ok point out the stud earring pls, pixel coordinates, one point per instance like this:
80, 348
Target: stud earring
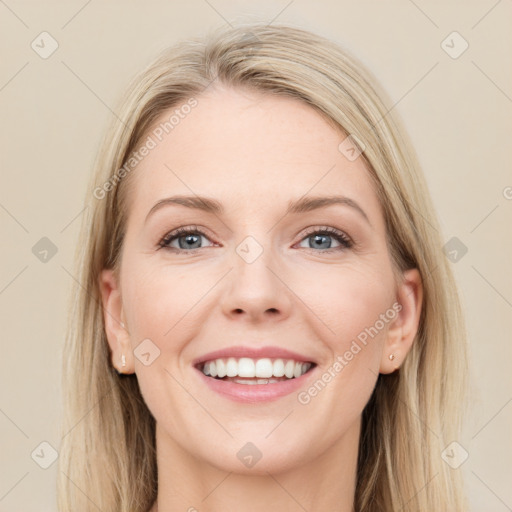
391, 357
123, 360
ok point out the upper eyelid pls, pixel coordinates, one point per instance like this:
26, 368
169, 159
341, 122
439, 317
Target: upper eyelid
194, 228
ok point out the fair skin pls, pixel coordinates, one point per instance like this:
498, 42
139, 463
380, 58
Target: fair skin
255, 153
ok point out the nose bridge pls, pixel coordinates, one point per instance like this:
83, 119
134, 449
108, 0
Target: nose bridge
255, 287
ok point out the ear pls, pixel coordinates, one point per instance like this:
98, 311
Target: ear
115, 329
403, 328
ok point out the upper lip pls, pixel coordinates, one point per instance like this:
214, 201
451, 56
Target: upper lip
253, 353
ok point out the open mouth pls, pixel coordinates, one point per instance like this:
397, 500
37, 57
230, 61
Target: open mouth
249, 371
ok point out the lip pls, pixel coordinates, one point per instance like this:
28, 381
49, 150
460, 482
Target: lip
253, 353
253, 393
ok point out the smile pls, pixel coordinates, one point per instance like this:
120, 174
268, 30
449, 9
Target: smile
251, 381
250, 371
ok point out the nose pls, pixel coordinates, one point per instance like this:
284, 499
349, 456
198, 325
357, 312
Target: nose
257, 290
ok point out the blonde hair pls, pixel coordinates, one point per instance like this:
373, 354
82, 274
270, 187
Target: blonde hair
108, 455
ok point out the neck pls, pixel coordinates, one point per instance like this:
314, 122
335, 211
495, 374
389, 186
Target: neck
192, 485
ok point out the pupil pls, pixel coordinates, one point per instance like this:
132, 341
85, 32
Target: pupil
318, 238
189, 240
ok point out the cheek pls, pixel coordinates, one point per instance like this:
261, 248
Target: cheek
153, 297
164, 305
352, 304
156, 310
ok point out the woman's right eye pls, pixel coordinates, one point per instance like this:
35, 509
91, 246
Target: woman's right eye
186, 238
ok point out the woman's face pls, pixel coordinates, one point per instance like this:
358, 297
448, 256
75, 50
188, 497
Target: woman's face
271, 268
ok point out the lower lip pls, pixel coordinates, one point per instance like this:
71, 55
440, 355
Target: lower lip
255, 392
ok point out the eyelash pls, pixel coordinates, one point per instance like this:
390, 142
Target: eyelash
344, 241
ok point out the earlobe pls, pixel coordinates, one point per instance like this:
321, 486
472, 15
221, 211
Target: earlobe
115, 329
402, 331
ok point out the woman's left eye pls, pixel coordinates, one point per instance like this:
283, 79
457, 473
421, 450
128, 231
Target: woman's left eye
187, 240
322, 239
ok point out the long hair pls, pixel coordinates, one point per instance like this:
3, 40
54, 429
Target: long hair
108, 453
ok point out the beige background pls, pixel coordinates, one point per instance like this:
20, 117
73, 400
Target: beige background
54, 110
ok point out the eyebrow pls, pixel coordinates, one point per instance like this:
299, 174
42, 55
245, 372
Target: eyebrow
302, 205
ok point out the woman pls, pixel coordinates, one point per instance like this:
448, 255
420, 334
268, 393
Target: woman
265, 319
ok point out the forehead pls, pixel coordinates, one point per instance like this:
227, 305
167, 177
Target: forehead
243, 147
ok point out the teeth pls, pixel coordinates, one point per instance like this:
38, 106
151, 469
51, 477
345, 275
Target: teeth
246, 367
221, 368
278, 370
231, 368
288, 369
261, 370
255, 381
264, 368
